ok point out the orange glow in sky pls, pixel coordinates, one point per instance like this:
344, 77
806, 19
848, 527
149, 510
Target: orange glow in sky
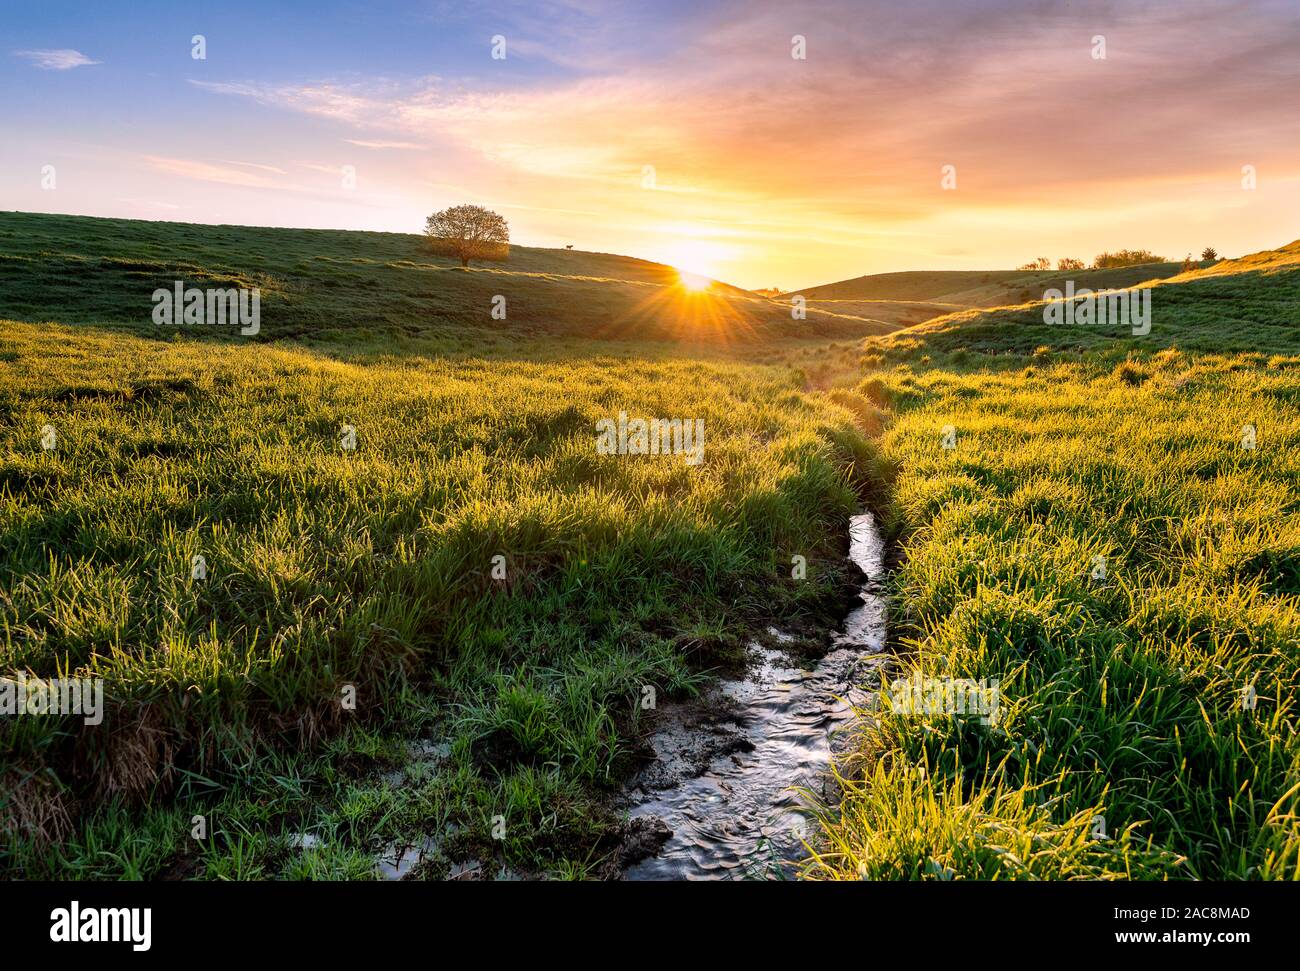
707, 145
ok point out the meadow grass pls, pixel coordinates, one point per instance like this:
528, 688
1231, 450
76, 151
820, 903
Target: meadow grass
372, 568
480, 700
1156, 694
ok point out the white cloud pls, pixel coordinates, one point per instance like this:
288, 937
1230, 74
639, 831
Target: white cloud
364, 143
255, 165
209, 172
318, 167
61, 60
327, 100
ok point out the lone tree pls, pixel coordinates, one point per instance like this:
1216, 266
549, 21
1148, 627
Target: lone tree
468, 233
1209, 253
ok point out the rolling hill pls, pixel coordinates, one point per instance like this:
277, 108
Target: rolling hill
910, 297
77, 269
1247, 304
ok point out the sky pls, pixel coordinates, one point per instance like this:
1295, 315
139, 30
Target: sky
930, 134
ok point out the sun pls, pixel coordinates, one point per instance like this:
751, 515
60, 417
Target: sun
692, 281
697, 261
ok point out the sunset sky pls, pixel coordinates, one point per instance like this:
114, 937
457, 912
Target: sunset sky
768, 171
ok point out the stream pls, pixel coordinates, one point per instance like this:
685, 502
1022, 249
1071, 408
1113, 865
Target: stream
730, 765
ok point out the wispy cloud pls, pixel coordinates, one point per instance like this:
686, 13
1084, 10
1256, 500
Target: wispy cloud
149, 203
996, 91
322, 168
266, 177
367, 143
209, 172
256, 165
63, 59
325, 99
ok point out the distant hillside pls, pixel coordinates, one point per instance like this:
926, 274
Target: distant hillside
900, 313
1283, 259
1246, 304
607, 266
336, 284
983, 288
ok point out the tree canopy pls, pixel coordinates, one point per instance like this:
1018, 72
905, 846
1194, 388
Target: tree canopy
469, 233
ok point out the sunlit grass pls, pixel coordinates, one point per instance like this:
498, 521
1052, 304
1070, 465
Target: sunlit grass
373, 568
1122, 696
1125, 697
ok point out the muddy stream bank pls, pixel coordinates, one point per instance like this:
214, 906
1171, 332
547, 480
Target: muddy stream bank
729, 765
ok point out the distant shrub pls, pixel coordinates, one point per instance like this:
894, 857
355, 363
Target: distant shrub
1126, 257
1069, 263
1210, 254
1042, 263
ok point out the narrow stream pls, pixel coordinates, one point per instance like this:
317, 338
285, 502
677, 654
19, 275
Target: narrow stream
728, 764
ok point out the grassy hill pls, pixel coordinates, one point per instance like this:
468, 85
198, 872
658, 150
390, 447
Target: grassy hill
1235, 305
339, 286
371, 570
981, 288
1109, 525
899, 313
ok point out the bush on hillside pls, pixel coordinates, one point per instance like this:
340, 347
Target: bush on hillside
1125, 257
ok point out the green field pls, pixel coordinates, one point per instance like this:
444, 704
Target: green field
982, 288
370, 568
351, 287
1159, 696
914, 296
370, 571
